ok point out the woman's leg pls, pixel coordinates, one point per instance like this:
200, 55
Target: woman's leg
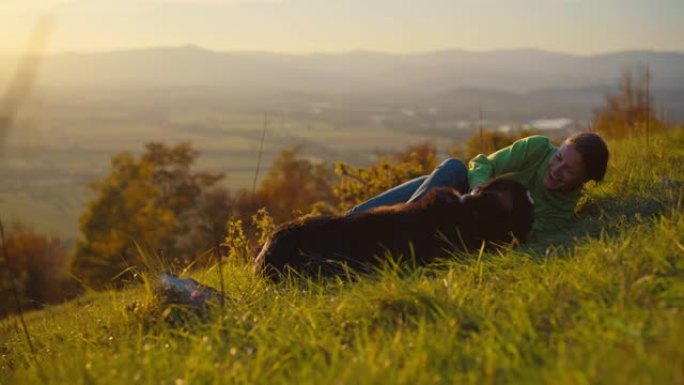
399, 194
450, 173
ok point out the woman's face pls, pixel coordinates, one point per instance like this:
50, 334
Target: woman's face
566, 170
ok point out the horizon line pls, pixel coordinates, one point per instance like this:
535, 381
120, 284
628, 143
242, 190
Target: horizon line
340, 52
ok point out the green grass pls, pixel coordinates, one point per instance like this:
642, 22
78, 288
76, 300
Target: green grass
600, 303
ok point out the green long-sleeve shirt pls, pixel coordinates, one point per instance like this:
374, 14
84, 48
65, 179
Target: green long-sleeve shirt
527, 161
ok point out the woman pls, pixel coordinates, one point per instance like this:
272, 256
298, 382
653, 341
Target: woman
553, 175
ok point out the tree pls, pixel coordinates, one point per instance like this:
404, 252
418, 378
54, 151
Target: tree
206, 226
140, 201
630, 110
293, 184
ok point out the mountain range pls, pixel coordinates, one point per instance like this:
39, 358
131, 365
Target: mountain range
507, 70
473, 78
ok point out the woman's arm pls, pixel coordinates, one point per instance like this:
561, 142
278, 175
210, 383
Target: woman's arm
522, 154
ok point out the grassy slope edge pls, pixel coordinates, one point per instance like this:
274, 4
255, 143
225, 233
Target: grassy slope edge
603, 304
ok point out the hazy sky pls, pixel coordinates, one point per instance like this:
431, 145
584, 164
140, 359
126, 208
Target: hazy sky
575, 26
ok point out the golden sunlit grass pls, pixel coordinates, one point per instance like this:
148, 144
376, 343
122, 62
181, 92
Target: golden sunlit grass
606, 308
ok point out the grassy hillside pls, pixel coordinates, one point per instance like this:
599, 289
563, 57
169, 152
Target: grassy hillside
602, 302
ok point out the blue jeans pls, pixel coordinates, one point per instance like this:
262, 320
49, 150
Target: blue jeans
451, 173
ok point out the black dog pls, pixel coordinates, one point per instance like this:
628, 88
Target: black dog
442, 221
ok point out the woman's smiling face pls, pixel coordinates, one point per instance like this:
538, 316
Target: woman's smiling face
566, 170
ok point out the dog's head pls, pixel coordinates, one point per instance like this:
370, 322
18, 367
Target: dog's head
501, 209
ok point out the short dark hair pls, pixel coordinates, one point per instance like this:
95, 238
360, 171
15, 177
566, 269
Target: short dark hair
594, 152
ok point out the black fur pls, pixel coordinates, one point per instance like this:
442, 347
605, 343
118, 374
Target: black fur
427, 229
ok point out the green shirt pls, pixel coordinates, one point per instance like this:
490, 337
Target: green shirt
527, 161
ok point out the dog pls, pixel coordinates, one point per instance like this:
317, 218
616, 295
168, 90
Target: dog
432, 227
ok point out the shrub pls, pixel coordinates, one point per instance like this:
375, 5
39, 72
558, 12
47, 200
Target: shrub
40, 267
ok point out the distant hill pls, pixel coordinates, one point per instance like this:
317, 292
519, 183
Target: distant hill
357, 71
511, 85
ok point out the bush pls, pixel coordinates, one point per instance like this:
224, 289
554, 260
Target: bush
359, 184
40, 268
